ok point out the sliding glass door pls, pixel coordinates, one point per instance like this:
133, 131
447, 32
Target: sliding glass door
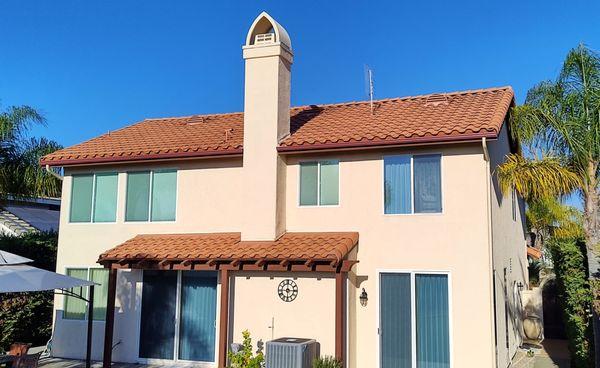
414, 329
178, 316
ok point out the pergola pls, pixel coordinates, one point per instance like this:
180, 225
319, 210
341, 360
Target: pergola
226, 253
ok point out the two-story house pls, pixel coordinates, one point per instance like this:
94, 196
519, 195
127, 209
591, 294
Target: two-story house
377, 229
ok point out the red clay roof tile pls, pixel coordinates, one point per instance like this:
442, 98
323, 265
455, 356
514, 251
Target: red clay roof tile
322, 246
421, 119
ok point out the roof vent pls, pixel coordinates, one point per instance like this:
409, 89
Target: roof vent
437, 99
263, 38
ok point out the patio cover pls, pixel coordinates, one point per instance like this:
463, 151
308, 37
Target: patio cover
302, 251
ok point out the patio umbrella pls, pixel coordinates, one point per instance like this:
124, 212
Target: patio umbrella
22, 277
16, 276
7, 258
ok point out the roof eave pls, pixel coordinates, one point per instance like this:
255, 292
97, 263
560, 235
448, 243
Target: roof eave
131, 159
415, 141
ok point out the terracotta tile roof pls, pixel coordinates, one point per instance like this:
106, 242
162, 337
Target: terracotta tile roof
322, 246
445, 117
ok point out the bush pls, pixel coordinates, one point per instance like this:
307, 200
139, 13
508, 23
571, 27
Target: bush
27, 317
327, 362
244, 358
575, 297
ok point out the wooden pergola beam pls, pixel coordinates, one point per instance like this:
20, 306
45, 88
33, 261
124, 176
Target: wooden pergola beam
223, 318
110, 318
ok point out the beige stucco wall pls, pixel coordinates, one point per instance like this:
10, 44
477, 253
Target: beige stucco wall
207, 201
453, 241
257, 307
509, 253
209, 197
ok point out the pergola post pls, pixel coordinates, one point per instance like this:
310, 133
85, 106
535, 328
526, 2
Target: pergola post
223, 318
88, 350
110, 318
340, 317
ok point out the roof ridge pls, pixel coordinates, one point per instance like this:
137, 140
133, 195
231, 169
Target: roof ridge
335, 104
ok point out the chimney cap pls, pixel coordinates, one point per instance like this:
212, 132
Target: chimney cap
264, 24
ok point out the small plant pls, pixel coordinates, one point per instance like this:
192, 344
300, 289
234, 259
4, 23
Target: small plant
244, 358
530, 353
327, 362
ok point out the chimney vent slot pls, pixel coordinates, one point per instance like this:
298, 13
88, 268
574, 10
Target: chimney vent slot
264, 38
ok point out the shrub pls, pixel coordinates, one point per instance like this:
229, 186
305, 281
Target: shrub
27, 317
327, 362
575, 298
244, 358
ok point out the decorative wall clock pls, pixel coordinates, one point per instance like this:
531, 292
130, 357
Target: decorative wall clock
287, 290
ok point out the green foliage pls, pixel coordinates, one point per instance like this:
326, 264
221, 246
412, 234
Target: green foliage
27, 317
245, 358
576, 298
327, 362
20, 172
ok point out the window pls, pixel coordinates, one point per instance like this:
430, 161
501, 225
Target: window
414, 320
94, 198
151, 196
76, 308
412, 184
319, 183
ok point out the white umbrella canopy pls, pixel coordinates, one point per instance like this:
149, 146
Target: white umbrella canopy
7, 258
18, 278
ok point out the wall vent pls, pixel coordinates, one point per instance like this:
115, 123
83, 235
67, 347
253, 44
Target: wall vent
264, 38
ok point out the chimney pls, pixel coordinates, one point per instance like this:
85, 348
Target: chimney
268, 60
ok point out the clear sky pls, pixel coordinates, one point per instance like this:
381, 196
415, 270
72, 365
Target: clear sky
95, 66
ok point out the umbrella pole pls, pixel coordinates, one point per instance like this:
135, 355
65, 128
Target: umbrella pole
88, 356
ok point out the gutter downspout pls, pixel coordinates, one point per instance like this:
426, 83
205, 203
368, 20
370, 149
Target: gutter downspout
492, 288
53, 173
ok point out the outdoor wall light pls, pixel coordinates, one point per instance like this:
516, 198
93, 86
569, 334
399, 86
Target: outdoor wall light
364, 298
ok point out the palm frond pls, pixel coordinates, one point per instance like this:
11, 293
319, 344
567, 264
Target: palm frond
535, 179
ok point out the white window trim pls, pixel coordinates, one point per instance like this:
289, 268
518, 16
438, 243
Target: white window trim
412, 184
149, 220
84, 294
94, 174
299, 186
413, 273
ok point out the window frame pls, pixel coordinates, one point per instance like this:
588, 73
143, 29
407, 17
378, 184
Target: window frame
94, 174
514, 204
151, 186
412, 185
84, 294
299, 191
413, 306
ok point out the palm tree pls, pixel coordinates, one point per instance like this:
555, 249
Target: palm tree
559, 125
20, 172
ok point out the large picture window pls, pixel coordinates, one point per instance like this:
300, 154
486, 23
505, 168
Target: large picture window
94, 198
319, 183
76, 308
151, 196
412, 184
414, 320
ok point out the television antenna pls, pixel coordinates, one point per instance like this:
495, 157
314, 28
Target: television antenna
369, 87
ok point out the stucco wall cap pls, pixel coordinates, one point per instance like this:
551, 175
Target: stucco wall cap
259, 26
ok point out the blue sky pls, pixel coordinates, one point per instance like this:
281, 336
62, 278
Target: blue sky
95, 66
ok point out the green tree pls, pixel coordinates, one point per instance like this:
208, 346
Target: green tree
559, 127
20, 172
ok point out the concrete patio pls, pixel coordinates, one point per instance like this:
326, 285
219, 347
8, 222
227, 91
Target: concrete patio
50, 362
551, 354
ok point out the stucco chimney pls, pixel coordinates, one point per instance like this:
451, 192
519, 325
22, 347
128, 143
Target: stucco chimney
268, 58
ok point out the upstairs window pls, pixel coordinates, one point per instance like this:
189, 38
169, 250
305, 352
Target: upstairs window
151, 196
412, 184
319, 183
94, 198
